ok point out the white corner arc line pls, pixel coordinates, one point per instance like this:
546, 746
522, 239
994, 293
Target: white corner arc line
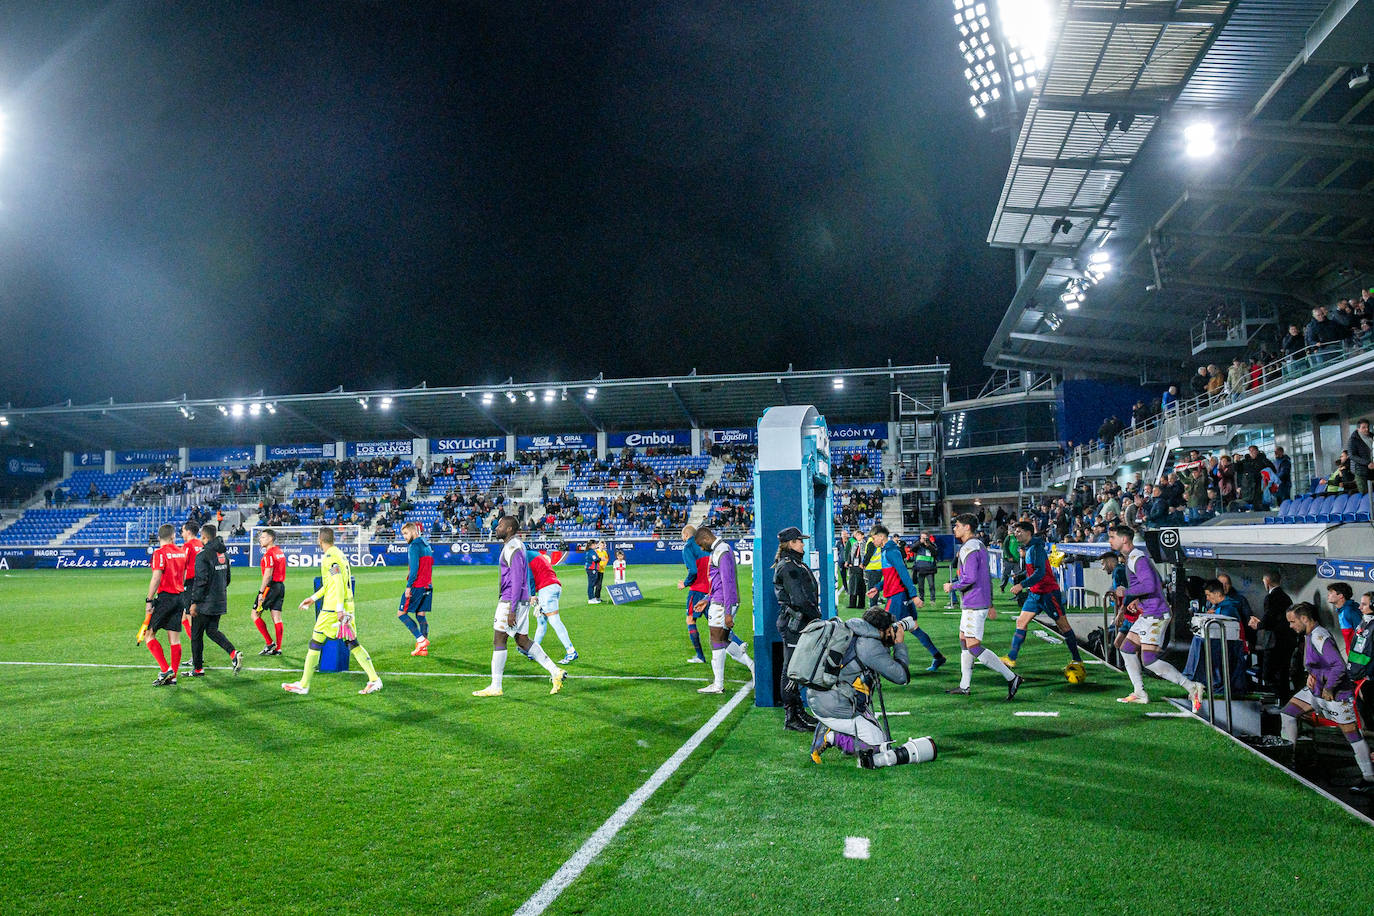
569, 871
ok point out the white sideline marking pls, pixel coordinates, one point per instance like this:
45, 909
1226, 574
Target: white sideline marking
1038, 713
904, 712
856, 847
571, 674
1168, 715
571, 869
1048, 638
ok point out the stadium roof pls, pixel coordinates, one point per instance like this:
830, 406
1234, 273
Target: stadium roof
706, 401
1278, 216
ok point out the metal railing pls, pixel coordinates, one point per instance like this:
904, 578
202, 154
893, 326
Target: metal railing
1218, 623
1181, 416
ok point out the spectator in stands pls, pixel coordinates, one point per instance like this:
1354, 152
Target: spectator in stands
1344, 316
1139, 414
47, 497
1226, 481
1157, 513
1283, 467
1274, 639
1342, 478
1361, 449
1237, 378
1198, 383
1194, 492
1168, 402
1321, 331
1292, 344
1250, 477
1215, 382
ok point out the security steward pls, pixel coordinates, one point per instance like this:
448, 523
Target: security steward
798, 596
210, 600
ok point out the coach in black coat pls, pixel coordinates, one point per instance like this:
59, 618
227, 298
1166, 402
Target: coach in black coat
1276, 639
210, 600
798, 594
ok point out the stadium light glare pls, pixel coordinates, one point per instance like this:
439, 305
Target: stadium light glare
1099, 257
591, 394
386, 403
222, 409
236, 411
549, 395
271, 408
255, 409
1199, 140
837, 383
510, 396
4, 421
362, 402
529, 396
486, 397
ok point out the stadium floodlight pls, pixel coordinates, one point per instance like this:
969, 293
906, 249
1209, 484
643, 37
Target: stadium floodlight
4, 421
271, 408
1099, 257
1004, 44
837, 383
386, 403
255, 408
486, 397
1199, 140
222, 409
510, 396
549, 395
591, 394
236, 411
529, 396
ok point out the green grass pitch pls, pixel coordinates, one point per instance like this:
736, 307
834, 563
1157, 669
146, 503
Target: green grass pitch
228, 795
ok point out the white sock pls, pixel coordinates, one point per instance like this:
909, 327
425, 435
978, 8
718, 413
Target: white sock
965, 669
737, 652
498, 667
556, 621
718, 667
1361, 749
1290, 729
1134, 672
1160, 668
989, 658
541, 658
539, 629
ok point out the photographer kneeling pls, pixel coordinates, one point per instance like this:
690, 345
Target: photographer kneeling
877, 649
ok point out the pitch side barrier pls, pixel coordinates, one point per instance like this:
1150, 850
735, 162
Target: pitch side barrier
458, 553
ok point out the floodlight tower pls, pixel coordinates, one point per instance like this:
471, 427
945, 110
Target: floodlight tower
1004, 43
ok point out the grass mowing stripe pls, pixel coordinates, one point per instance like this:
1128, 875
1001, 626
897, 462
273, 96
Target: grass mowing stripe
571, 676
568, 872
1273, 763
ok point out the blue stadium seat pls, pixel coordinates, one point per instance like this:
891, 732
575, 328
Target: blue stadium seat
1358, 509
1279, 517
1299, 510
1315, 509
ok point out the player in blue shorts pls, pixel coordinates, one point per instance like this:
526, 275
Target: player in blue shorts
1042, 597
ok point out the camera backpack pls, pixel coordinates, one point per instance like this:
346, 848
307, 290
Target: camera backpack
823, 649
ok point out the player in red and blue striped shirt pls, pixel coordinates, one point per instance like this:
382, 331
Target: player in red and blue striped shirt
419, 588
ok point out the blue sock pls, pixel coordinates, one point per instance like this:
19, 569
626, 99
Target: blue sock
1017, 639
924, 640
410, 625
735, 639
424, 624
695, 636
1072, 639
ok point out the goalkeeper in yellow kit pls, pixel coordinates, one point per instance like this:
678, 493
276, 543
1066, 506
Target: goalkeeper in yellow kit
335, 620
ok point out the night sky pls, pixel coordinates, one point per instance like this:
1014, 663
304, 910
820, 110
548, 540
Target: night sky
216, 197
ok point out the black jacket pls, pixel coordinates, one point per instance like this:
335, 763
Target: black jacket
1359, 455
798, 595
209, 593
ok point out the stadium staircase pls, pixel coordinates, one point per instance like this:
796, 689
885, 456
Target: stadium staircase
892, 511
696, 516
75, 529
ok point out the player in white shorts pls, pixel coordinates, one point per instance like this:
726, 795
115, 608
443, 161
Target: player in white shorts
1329, 691
512, 616
975, 588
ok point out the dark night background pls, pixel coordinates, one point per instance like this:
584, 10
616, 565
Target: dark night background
214, 198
